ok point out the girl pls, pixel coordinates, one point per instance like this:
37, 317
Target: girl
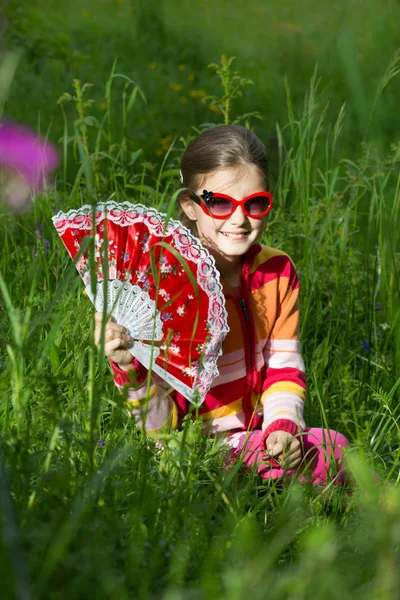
256, 402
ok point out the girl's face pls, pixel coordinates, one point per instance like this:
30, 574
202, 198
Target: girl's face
218, 235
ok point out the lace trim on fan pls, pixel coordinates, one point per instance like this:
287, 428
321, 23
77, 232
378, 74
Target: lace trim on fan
189, 246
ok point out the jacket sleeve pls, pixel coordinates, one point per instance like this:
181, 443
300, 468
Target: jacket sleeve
155, 413
284, 385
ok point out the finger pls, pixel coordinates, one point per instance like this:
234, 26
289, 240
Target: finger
115, 344
117, 328
293, 463
113, 330
276, 449
99, 317
111, 334
294, 455
294, 446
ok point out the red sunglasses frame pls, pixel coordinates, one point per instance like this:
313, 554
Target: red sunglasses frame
206, 196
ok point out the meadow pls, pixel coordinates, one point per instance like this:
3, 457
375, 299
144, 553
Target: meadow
90, 507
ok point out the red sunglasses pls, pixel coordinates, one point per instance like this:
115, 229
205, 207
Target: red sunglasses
222, 206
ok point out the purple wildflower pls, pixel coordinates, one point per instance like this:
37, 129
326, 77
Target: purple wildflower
365, 344
101, 443
378, 306
1, 305
46, 247
38, 230
27, 161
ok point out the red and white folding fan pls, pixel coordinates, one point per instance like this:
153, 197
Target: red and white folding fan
177, 327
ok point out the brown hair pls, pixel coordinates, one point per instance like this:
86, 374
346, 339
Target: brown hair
221, 147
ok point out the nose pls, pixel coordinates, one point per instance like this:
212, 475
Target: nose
238, 217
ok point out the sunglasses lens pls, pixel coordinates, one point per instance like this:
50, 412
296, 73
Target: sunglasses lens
258, 205
219, 207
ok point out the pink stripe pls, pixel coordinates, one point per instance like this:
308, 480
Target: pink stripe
274, 268
282, 375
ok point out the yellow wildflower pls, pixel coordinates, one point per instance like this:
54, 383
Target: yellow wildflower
191, 77
181, 67
183, 99
152, 65
165, 140
103, 105
215, 108
175, 86
197, 93
290, 27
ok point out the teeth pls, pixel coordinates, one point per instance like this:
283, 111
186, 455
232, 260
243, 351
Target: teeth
236, 236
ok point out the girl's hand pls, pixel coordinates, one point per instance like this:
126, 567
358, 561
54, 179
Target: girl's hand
116, 340
284, 448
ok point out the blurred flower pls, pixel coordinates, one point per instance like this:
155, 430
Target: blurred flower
183, 99
103, 105
38, 230
191, 77
152, 65
175, 86
290, 27
197, 93
25, 161
1, 305
215, 108
101, 443
365, 344
181, 67
378, 306
46, 247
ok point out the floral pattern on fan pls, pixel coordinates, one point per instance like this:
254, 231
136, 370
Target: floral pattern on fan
192, 324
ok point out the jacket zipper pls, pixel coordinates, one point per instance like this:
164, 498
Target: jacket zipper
249, 352
242, 303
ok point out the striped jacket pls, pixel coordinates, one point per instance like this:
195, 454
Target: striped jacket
261, 381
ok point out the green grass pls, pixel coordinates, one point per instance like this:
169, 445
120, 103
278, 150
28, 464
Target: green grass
159, 44
89, 507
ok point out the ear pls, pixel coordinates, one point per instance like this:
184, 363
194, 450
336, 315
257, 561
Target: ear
187, 206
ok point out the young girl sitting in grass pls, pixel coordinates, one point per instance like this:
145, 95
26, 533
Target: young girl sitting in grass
256, 402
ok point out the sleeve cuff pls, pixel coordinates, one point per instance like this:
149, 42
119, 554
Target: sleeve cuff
137, 373
280, 425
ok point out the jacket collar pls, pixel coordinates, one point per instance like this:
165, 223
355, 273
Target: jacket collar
248, 258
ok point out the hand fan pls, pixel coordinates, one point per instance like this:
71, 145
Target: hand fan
161, 284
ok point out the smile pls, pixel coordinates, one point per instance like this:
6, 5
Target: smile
236, 236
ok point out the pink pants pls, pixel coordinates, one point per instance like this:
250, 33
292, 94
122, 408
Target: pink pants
321, 462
